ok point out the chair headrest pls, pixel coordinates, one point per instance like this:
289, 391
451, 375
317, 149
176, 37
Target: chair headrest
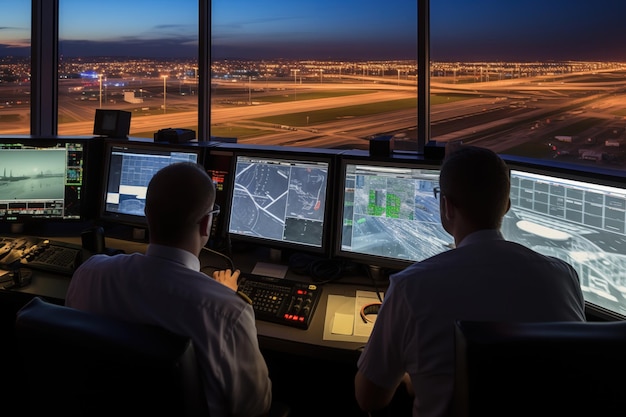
77, 329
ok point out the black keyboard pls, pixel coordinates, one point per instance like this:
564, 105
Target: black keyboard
52, 256
280, 300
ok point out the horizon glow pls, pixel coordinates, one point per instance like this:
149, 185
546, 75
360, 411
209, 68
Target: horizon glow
479, 30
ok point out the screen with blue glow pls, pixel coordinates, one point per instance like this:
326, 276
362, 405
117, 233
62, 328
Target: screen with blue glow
578, 220
129, 167
280, 201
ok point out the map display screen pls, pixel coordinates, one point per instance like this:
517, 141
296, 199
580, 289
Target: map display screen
280, 200
390, 215
580, 221
129, 169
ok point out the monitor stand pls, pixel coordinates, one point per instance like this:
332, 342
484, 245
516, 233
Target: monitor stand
376, 273
276, 256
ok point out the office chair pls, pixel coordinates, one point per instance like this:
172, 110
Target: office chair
540, 369
81, 364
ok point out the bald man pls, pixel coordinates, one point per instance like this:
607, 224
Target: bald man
165, 287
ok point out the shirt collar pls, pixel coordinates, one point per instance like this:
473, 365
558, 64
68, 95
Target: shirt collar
177, 255
481, 236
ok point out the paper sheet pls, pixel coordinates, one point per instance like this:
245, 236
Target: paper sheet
343, 324
343, 321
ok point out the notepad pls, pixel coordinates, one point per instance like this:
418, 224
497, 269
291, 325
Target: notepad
342, 313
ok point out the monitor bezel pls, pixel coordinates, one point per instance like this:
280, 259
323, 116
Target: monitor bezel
234, 239
371, 260
110, 145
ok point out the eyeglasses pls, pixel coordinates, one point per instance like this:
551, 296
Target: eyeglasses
215, 211
437, 192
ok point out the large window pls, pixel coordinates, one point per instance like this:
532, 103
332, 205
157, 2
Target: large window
15, 67
543, 79
533, 78
139, 55
314, 74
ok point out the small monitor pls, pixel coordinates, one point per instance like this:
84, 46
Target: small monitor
388, 213
281, 201
112, 123
129, 167
42, 180
579, 218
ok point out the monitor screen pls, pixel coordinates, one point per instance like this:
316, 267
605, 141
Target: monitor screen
580, 220
129, 166
41, 180
281, 201
389, 214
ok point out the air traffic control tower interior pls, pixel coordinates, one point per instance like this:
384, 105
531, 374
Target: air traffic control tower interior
328, 224
335, 223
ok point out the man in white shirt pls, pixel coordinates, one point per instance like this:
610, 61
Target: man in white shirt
165, 287
484, 278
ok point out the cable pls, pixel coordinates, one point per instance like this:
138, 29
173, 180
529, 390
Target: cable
321, 270
231, 264
325, 270
368, 271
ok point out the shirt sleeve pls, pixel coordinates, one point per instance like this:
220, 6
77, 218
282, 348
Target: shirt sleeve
249, 383
382, 358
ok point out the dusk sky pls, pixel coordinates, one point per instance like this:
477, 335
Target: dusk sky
463, 30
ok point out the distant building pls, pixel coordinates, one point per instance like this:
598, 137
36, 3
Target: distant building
129, 97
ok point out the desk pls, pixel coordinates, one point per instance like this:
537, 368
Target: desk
275, 337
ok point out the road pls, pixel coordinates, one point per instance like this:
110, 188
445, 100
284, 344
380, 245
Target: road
507, 107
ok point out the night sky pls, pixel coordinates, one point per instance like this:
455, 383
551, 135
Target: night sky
463, 30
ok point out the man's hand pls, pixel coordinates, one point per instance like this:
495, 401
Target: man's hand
228, 278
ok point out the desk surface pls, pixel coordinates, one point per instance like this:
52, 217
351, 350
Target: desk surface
272, 336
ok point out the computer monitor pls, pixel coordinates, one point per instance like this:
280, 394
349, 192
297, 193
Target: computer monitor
42, 180
388, 213
128, 168
580, 219
112, 123
281, 201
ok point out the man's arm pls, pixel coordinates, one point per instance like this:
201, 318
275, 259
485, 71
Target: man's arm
370, 396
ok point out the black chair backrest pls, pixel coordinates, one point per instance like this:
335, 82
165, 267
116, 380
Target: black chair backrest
540, 369
78, 363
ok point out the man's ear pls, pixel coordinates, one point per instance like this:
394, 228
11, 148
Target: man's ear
205, 225
448, 208
508, 207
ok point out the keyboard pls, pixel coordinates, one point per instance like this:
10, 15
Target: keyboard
52, 256
280, 300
